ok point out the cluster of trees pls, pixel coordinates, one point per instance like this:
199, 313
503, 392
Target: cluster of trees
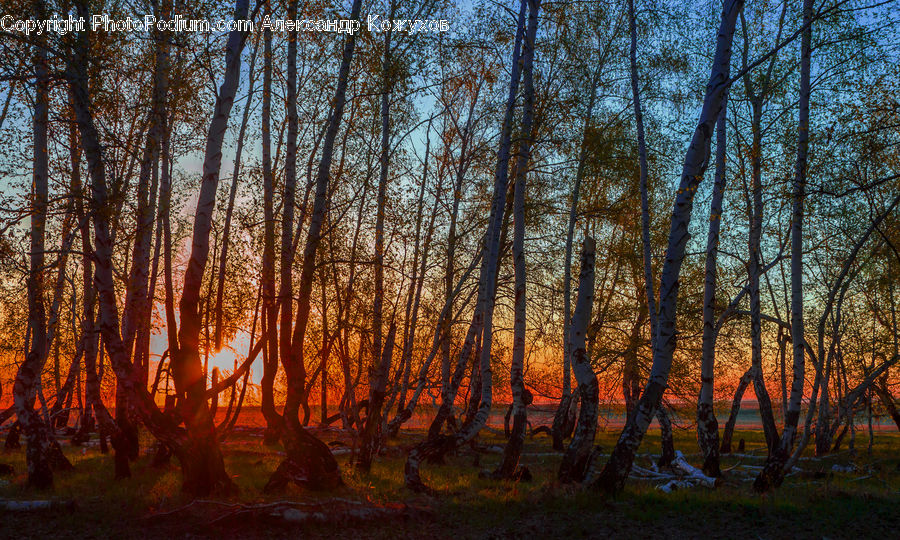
398, 215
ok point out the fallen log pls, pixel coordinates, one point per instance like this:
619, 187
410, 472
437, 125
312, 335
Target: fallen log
693, 473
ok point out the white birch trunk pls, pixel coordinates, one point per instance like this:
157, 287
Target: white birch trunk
773, 472
575, 461
612, 478
707, 425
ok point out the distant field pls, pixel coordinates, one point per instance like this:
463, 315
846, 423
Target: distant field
542, 415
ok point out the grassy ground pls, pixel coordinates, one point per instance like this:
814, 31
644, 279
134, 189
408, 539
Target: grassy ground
819, 503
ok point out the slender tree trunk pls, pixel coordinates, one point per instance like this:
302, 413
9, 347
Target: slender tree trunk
103, 274
165, 208
756, 216
309, 460
707, 425
575, 462
612, 478
773, 472
89, 334
837, 287
378, 379
887, 400
203, 465
631, 377
728, 433
465, 158
562, 427
137, 301
274, 422
521, 397
381, 360
481, 324
232, 193
488, 281
415, 293
295, 369
39, 440
449, 396
668, 448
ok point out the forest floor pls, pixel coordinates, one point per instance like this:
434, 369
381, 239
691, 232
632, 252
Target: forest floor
840, 496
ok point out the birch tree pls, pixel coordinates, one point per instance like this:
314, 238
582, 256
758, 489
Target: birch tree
773, 473
707, 425
381, 356
612, 477
270, 302
573, 467
481, 325
41, 449
309, 461
521, 397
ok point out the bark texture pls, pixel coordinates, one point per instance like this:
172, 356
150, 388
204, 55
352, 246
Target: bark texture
707, 425
575, 462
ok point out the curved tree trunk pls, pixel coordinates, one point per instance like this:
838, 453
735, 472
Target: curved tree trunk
197, 451
612, 477
309, 461
203, 466
482, 321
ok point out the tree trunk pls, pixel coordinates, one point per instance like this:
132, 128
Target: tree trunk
274, 422
575, 462
490, 253
309, 461
562, 427
449, 396
416, 284
232, 193
707, 425
291, 359
773, 472
887, 400
759, 385
378, 379
204, 468
667, 440
509, 466
381, 360
839, 285
38, 437
728, 433
612, 478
